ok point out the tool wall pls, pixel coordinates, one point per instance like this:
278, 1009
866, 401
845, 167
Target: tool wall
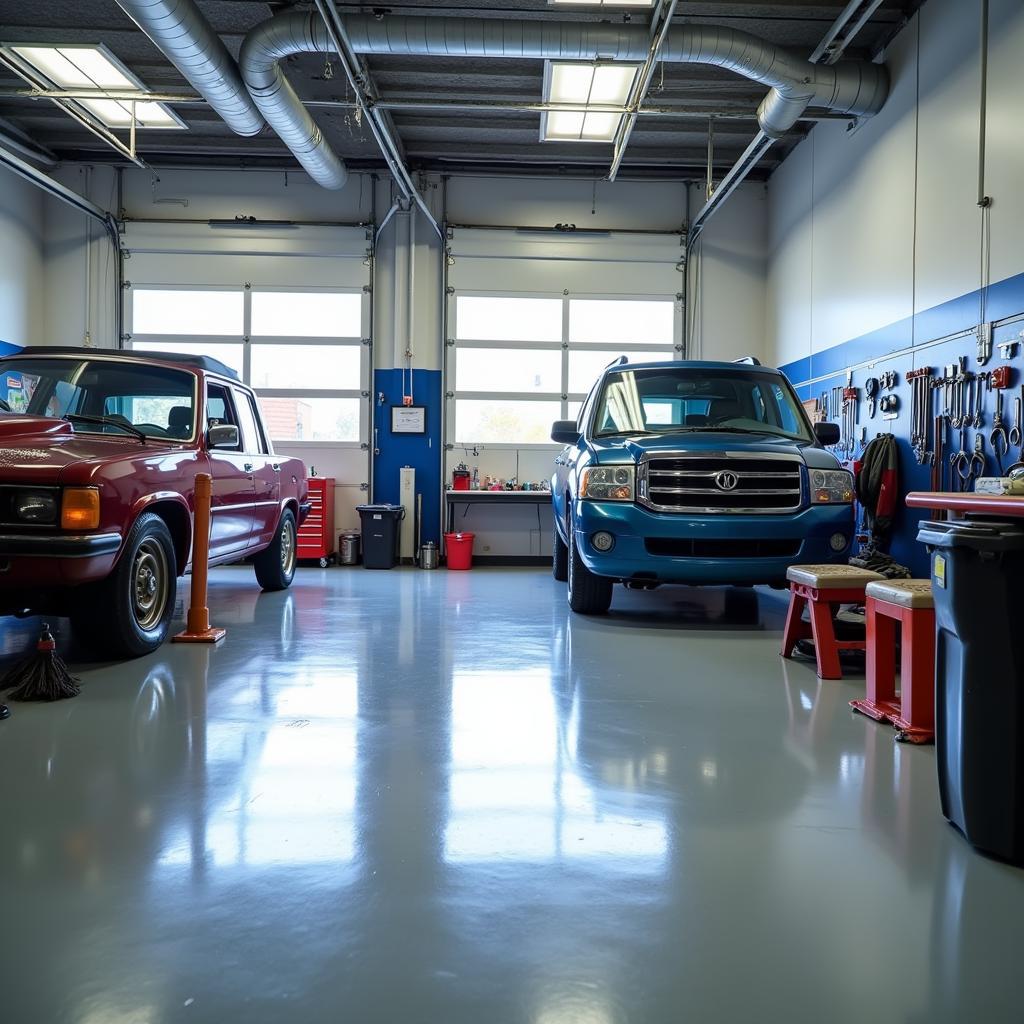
954, 404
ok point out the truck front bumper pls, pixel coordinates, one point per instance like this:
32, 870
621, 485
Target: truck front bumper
741, 549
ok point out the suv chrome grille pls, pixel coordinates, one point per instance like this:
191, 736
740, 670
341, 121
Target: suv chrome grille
722, 482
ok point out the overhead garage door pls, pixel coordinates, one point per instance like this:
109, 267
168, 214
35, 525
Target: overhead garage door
288, 308
534, 316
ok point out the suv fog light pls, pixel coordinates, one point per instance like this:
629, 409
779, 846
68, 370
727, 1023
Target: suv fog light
838, 541
603, 541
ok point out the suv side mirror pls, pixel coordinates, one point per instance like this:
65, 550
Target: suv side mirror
565, 432
827, 433
223, 435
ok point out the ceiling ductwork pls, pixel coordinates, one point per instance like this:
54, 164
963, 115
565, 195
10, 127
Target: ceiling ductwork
854, 88
187, 39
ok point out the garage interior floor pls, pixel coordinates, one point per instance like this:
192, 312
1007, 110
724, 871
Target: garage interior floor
439, 797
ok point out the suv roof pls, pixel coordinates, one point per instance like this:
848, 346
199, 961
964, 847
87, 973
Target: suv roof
205, 363
691, 364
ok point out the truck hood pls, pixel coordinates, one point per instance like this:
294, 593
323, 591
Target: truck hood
38, 448
613, 450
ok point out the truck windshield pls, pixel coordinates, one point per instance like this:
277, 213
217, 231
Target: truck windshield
688, 399
157, 401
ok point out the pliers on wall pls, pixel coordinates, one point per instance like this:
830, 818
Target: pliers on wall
999, 437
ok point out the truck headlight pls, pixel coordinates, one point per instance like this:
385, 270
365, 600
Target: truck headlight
608, 483
831, 487
35, 506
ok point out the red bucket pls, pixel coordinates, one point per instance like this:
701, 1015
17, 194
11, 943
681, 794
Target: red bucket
460, 550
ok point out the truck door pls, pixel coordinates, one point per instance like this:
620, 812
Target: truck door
265, 468
232, 512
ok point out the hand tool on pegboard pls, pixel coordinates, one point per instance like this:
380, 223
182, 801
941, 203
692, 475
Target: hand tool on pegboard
999, 439
1015, 434
871, 393
920, 414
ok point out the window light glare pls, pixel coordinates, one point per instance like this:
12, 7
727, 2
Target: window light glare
118, 114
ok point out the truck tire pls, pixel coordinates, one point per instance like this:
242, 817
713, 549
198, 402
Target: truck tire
559, 554
588, 594
129, 613
275, 564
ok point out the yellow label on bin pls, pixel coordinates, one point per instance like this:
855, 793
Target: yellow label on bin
939, 570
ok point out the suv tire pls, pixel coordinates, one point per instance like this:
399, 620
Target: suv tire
275, 564
559, 553
129, 613
588, 594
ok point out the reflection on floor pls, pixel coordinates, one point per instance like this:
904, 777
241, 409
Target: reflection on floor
437, 797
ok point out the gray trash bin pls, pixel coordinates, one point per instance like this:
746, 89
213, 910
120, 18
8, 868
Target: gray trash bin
977, 570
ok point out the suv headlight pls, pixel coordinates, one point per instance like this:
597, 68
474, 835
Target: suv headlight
831, 487
609, 483
35, 506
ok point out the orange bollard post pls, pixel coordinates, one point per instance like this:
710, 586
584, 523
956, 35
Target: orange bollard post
198, 629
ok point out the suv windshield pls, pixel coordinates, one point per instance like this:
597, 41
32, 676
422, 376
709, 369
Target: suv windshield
156, 400
668, 400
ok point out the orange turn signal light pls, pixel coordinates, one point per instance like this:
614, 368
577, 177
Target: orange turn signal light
80, 509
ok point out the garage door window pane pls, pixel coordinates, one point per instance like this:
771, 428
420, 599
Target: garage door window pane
229, 355
486, 422
584, 367
311, 419
495, 318
621, 321
323, 367
179, 311
307, 315
502, 369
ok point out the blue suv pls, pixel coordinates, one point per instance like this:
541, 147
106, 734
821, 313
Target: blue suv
694, 472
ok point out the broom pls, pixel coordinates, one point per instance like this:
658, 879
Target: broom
42, 675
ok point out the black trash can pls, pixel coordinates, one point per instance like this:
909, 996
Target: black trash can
977, 571
380, 534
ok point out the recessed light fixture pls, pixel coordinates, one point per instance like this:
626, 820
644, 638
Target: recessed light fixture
84, 68
591, 88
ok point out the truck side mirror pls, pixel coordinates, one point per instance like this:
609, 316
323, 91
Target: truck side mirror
565, 432
827, 433
223, 435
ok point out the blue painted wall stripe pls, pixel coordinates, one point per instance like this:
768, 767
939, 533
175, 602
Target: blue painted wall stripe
1004, 300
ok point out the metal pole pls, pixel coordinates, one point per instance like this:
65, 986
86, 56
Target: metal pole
659, 31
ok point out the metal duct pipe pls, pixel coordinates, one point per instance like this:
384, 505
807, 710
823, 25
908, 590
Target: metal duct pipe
262, 50
851, 88
179, 30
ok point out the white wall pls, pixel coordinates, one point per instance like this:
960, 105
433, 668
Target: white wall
21, 260
867, 227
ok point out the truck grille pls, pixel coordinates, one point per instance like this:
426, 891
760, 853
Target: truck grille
721, 482
695, 547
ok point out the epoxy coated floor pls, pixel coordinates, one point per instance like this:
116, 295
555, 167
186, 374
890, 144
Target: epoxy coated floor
434, 798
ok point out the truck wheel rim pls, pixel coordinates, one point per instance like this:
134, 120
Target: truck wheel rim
287, 547
149, 585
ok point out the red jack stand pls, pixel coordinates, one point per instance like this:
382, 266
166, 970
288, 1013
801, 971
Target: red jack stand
908, 602
823, 588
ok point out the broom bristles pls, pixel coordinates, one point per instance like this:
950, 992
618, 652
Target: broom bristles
42, 675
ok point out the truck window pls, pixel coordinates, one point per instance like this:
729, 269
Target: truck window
251, 438
219, 409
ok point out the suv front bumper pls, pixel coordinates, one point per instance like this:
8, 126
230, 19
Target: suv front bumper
800, 537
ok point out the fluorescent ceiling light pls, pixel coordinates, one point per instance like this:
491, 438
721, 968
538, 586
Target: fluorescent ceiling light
93, 68
588, 86
605, 3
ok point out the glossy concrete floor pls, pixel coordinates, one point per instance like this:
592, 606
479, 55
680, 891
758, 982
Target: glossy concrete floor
437, 797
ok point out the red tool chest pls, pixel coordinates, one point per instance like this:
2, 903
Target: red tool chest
316, 534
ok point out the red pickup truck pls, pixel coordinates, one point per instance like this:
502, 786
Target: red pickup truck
99, 453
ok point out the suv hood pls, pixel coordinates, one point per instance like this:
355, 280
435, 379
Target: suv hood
37, 448
612, 450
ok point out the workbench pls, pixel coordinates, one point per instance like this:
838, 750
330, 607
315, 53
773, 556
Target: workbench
999, 505
497, 499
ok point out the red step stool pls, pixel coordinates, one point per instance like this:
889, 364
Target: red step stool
824, 588
908, 602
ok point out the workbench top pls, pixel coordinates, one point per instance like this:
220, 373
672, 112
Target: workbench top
978, 504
